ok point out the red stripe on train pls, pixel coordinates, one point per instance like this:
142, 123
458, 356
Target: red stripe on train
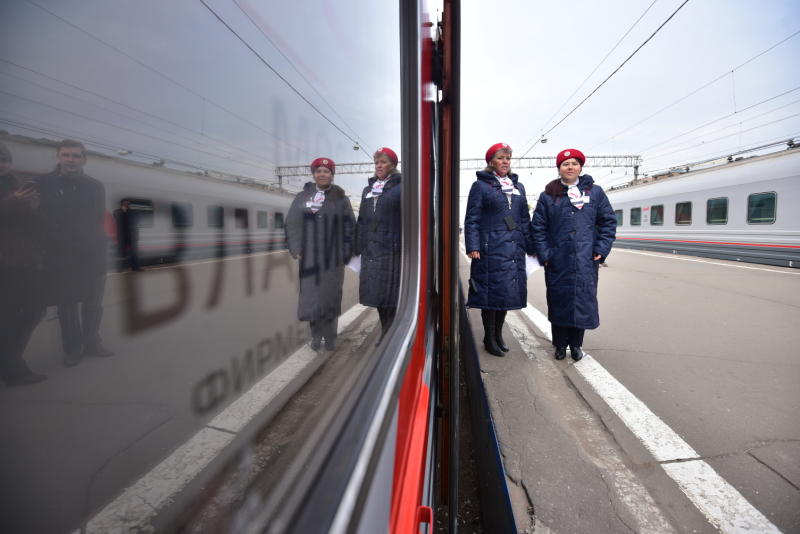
706, 242
414, 396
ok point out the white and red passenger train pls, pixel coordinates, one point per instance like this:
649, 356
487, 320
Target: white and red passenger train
374, 464
742, 210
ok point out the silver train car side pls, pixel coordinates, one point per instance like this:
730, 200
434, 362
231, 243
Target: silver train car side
181, 215
743, 211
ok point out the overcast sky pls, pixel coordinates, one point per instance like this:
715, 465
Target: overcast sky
169, 80
523, 59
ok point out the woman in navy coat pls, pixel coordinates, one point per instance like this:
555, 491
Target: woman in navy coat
319, 233
378, 238
573, 229
497, 237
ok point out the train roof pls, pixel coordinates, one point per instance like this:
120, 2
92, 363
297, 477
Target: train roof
207, 176
734, 172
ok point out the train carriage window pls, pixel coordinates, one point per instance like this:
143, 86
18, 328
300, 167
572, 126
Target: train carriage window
144, 211
717, 211
278, 221
216, 217
657, 215
636, 216
618, 215
261, 219
761, 208
182, 215
241, 217
683, 213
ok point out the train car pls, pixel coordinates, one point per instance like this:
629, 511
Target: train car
741, 210
181, 215
208, 412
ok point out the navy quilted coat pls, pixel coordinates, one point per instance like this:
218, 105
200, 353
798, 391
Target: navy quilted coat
567, 238
497, 279
378, 240
323, 243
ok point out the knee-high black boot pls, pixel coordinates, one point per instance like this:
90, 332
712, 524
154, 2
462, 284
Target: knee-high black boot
489, 340
499, 319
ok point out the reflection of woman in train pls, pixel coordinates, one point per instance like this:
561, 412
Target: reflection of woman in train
21, 298
497, 237
319, 232
379, 238
573, 228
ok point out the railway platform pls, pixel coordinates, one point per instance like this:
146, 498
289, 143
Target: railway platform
680, 417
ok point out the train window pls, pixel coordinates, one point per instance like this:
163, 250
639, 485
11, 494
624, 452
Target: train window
636, 216
216, 217
241, 217
144, 211
618, 215
657, 215
717, 211
225, 334
683, 213
261, 219
182, 215
761, 208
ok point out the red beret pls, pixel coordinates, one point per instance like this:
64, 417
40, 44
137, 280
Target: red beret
323, 162
493, 150
388, 152
570, 153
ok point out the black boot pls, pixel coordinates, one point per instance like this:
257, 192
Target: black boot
489, 341
576, 353
499, 320
561, 353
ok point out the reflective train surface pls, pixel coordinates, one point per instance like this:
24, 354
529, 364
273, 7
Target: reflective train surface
740, 210
183, 392
180, 215
184, 396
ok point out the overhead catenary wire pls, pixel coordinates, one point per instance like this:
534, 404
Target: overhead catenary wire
739, 112
698, 89
573, 110
207, 147
93, 142
129, 130
720, 154
284, 80
162, 75
291, 63
658, 156
591, 73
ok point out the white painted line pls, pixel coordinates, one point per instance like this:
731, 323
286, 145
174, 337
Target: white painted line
141, 501
675, 257
630, 491
720, 502
349, 316
539, 320
662, 442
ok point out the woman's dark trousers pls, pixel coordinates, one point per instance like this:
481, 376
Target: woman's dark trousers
324, 328
386, 315
567, 335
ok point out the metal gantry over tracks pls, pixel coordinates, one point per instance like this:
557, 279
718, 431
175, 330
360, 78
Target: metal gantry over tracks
537, 162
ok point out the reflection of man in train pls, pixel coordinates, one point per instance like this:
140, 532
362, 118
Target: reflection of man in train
127, 235
72, 213
21, 305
